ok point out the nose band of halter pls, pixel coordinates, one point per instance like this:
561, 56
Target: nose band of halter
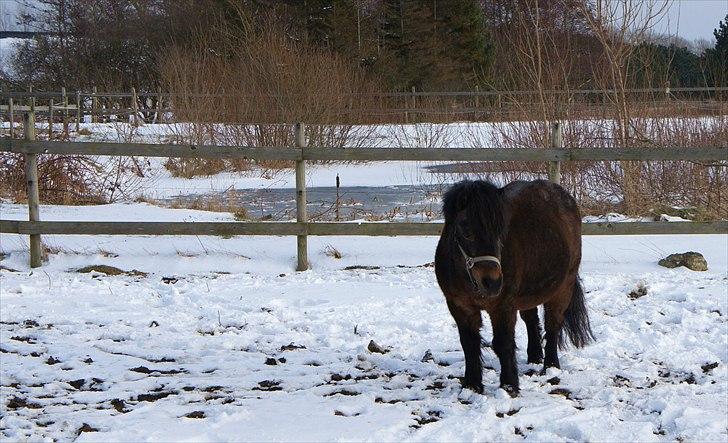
471, 261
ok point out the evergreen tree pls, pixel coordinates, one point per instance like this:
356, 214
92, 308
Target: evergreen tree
717, 57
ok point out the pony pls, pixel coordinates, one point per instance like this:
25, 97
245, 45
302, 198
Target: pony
508, 250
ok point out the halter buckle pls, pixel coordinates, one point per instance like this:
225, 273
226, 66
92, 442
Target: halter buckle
469, 262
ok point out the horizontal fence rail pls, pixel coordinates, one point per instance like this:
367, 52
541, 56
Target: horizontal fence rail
354, 107
300, 153
323, 228
365, 154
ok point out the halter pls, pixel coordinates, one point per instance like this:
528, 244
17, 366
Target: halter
471, 261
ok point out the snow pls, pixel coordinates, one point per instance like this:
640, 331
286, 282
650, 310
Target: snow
131, 356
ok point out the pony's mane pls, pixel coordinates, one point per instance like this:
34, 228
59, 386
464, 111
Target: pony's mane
483, 202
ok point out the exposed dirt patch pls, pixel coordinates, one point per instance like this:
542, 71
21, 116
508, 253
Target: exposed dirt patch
154, 396
145, 370
86, 428
109, 270
268, 385
19, 403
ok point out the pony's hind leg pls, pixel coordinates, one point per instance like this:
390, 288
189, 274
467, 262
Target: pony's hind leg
504, 345
554, 319
533, 325
469, 321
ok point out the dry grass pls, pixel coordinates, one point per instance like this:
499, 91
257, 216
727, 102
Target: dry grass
332, 252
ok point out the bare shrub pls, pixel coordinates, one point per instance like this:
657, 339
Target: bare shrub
255, 84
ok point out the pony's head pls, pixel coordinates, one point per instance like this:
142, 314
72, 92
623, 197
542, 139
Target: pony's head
475, 220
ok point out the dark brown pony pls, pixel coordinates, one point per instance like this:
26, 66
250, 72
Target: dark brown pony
511, 249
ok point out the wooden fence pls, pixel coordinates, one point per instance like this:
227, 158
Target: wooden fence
300, 153
394, 107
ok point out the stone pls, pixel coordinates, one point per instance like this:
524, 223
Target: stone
691, 260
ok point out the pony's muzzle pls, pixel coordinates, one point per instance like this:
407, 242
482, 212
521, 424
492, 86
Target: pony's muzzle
488, 279
489, 287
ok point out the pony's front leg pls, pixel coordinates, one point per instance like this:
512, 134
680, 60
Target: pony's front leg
469, 322
533, 326
504, 345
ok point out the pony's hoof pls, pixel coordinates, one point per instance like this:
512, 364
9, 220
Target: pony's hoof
473, 386
511, 390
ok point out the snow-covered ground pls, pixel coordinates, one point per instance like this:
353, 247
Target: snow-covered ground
218, 339
221, 340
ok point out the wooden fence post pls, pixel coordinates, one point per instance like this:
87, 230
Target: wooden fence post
65, 112
94, 105
158, 118
134, 107
557, 142
78, 111
301, 215
31, 176
50, 118
11, 108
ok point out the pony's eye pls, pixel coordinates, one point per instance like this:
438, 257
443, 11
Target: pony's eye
466, 232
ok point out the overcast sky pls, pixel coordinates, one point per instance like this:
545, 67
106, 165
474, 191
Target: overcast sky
690, 19
693, 19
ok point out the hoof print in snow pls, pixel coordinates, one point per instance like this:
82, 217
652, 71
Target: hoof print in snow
427, 357
343, 414
154, 324
170, 280
119, 405
86, 428
271, 361
291, 347
429, 417
52, 361
509, 413
436, 385
29, 340
638, 292
196, 414
77, 384
20, 403
531, 372
213, 388
691, 260
389, 402
553, 381
621, 382
562, 392
709, 367
519, 431
346, 392
27, 324
374, 348
339, 377
268, 385
690, 379
88, 361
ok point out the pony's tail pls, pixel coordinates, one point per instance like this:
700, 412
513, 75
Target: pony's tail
576, 320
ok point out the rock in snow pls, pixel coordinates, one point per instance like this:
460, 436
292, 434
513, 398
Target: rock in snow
691, 260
